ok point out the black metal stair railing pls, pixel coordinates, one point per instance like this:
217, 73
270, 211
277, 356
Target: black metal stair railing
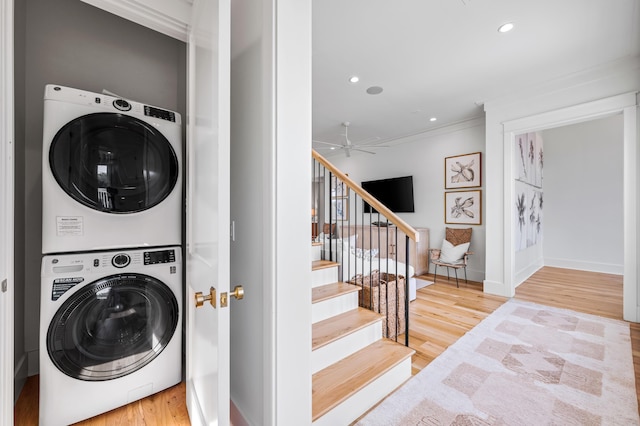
370, 244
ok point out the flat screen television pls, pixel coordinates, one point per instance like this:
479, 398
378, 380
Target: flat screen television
395, 193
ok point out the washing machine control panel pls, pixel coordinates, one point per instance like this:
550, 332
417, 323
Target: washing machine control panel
160, 256
120, 260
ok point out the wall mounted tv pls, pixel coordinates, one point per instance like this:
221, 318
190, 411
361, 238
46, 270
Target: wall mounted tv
395, 193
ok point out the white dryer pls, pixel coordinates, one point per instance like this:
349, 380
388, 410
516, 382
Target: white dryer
111, 173
110, 330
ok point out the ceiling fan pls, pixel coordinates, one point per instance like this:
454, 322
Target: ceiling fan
349, 146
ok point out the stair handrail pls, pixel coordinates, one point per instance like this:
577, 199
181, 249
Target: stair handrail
408, 230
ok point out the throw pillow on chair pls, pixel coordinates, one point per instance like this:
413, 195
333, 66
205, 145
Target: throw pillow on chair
452, 254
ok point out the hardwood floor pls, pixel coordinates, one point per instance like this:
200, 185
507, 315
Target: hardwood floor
440, 315
592, 293
164, 408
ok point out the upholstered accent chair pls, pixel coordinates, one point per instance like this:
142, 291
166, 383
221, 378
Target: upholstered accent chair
454, 252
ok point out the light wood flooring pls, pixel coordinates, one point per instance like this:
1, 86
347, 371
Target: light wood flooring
440, 315
164, 408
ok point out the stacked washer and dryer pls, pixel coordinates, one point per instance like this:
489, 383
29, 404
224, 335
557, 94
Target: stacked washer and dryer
111, 298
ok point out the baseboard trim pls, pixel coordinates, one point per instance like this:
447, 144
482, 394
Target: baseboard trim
33, 363
19, 377
498, 289
472, 274
525, 273
237, 419
605, 268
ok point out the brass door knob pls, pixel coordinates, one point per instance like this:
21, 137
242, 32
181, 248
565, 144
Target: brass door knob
238, 292
201, 298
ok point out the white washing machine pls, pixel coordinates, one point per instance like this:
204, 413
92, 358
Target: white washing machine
110, 330
111, 173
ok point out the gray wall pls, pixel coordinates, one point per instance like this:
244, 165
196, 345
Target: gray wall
583, 181
20, 366
70, 43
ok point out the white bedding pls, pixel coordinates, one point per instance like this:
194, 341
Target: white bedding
353, 265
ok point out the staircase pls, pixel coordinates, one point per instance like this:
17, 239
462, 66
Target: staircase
353, 367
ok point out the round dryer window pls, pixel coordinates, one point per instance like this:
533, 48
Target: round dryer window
112, 327
113, 163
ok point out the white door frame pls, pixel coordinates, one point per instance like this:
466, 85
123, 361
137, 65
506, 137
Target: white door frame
625, 104
6, 215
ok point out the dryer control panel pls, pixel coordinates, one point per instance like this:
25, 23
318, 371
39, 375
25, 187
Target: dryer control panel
160, 256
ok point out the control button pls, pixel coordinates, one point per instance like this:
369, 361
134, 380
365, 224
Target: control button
98, 100
96, 262
122, 105
120, 260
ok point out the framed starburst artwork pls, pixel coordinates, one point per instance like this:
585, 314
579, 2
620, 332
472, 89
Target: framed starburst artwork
463, 171
463, 207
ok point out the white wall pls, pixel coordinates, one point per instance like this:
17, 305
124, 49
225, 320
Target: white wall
423, 157
270, 193
248, 338
583, 210
532, 109
70, 43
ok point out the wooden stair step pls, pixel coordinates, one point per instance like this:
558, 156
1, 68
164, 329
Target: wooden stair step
329, 291
332, 329
341, 380
322, 264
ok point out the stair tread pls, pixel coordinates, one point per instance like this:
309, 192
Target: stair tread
331, 329
322, 264
341, 380
329, 291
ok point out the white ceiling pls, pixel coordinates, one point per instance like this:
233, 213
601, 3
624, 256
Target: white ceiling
445, 58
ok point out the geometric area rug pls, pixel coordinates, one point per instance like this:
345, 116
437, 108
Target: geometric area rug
525, 364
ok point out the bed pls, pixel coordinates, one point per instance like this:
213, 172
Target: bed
355, 260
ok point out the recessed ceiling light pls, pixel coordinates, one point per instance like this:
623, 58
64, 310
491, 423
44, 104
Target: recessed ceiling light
332, 148
432, 119
374, 90
354, 79
504, 28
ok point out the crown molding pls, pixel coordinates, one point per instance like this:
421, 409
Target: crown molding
621, 70
169, 17
435, 131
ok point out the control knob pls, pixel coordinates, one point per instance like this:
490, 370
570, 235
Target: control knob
120, 260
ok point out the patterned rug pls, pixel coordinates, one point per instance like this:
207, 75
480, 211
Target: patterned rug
525, 364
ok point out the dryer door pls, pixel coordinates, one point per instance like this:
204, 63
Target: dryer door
112, 327
113, 163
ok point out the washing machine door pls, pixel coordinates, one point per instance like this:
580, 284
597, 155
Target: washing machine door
112, 327
113, 163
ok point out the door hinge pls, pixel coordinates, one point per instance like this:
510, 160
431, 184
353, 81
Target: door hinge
4, 285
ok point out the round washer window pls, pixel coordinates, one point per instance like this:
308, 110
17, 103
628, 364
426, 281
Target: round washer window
112, 327
113, 163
